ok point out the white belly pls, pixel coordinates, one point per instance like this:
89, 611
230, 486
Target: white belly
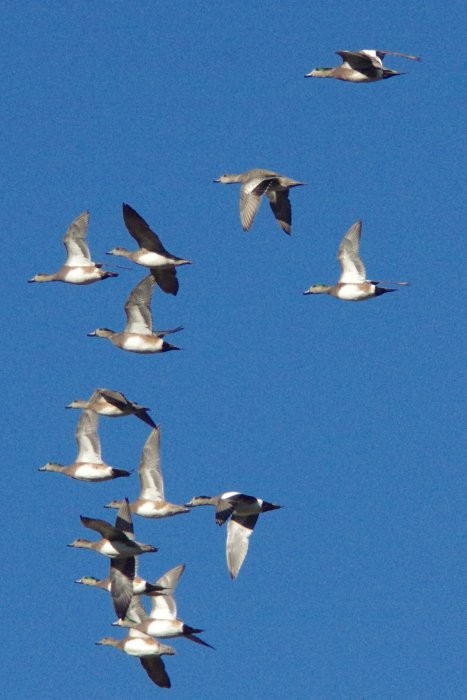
76, 275
107, 409
150, 509
138, 646
93, 472
119, 549
151, 259
141, 343
352, 292
165, 628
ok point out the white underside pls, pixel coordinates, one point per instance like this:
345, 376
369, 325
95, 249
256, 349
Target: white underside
93, 472
138, 646
151, 259
110, 411
152, 509
352, 292
164, 628
138, 343
79, 276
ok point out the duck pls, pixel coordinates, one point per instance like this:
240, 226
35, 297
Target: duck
244, 511
117, 541
140, 585
149, 652
162, 620
151, 252
352, 284
256, 183
123, 569
79, 268
138, 335
113, 404
151, 502
88, 465
123, 582
364, 66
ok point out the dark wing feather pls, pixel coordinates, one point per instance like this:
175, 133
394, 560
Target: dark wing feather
154, 667
122, 573
280, 205
166, 278
141, 232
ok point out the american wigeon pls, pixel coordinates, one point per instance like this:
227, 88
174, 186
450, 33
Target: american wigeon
256, 183
138, 335
151, 252
151, 502
116, 541
88, 465
78, 267
352, 284
140, 585
113, 404
365, 66
149, 652
244, 511
162, 620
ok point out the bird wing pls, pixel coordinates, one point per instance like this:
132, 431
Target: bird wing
366, 63
149, 470
136, 613
382, 54
120, 401
122, 573
250, 198
164, 607
163, 333
138, 309
115, 398
105, 529
155, 668
171, 578
280, 205
166, 278
124, 521
87, 439
239, 530
141, 232
75, 242
224, 508
353, 269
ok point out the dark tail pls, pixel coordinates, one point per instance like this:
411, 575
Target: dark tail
142, 415
119, 472
188, 633
383, 290
269, 506
154, 588
388, 73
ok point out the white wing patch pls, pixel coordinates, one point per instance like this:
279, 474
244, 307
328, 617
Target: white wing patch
89, 447
353, 269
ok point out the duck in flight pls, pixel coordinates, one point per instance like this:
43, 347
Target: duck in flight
151, 253
113, 404
79, 268
243, 511
352, 284
88, 465
138, 334
256, 183
151, 502
162, 621
365, 66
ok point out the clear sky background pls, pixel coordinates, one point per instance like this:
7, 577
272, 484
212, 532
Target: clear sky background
351, 415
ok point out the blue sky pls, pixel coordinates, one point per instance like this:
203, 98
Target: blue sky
351, 415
